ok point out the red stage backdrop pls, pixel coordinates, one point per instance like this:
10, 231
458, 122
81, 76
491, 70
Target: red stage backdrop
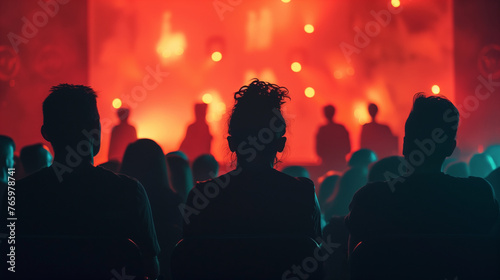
42, 43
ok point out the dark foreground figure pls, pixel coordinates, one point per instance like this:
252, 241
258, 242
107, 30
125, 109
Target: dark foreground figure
255, 204
74, 219
417, 217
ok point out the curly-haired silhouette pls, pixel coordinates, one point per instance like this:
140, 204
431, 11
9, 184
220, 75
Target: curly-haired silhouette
424, 200
254, 198
198, 140
72, 198
121, 135
332, 142
378, 137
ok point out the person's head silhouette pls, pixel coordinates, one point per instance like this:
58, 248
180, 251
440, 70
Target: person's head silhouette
144, 160
7, 148
200, 112
430, 132
35, 157
256, 126
205, 167
373, 110
123, 114
71, 122
329, 112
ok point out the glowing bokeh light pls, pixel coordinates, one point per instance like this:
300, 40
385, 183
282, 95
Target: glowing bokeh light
309, 92
296, 67
216, 56
435, 89
350, 71
285, 1
117, 103
395, 3
309, 28
207, 98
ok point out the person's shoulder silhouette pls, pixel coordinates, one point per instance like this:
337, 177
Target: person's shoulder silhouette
332, 142
424, 200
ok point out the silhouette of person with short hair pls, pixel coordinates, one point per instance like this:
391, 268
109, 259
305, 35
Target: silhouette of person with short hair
121, 135
7, 148
74, 198
424, 200
198, 140
255, 198
378, 137
205, 167
35, 157
332, 142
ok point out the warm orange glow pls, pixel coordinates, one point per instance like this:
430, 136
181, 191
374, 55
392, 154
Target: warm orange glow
117, 103
309, 28
216, 56
350, 71
296, 67
361, 113
207, 98
338, 74
310, 92
285, 1
395, 3
171, 44
435, 89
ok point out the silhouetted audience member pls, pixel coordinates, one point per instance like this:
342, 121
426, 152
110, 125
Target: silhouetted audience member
144, 160
480, 165
254, 198
74, 198
178, 153
205, 167
332, 142
35, 157
350, 182
7, 148
424, 200
494, 152
378, 137
121, 135
385, 169
181, 175
198, 140
458, 169
296, 171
